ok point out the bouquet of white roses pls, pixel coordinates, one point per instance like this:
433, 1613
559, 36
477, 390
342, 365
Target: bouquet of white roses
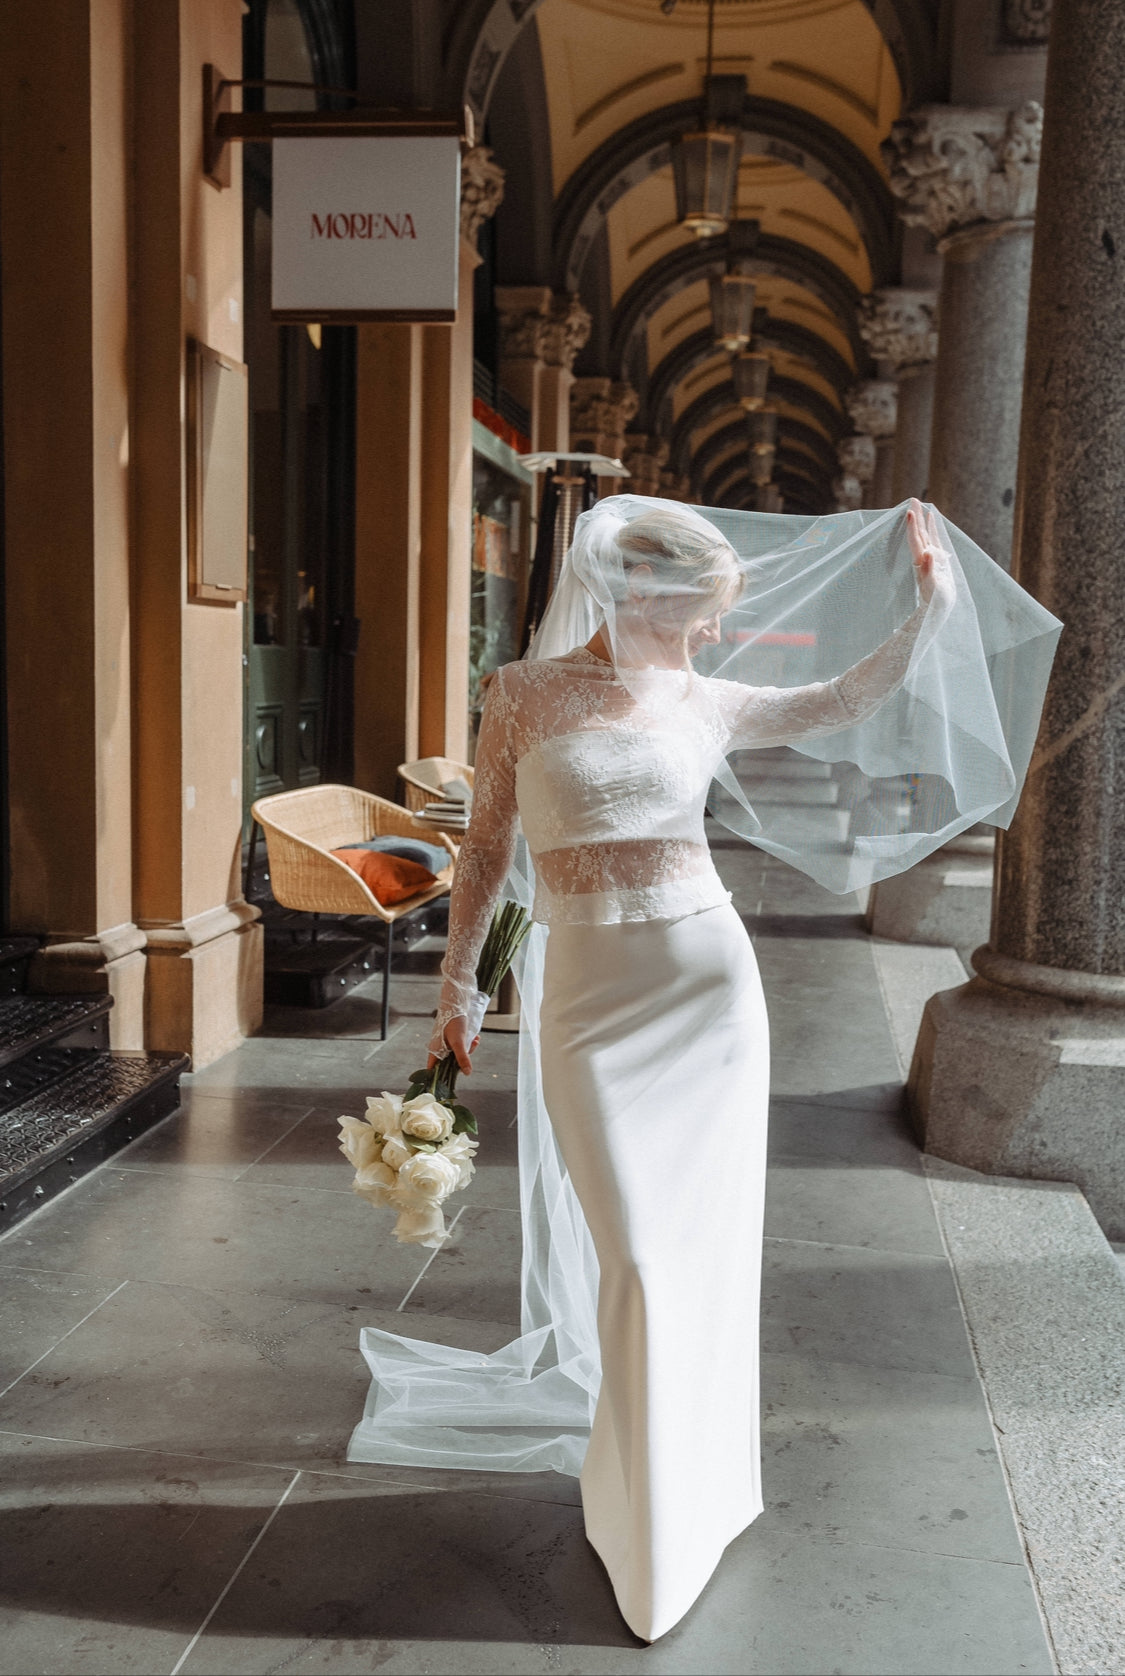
412, 1150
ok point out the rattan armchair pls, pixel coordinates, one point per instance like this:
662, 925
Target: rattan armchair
422, 780
302, 827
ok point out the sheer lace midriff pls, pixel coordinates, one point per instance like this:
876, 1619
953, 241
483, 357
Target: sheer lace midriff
632, 864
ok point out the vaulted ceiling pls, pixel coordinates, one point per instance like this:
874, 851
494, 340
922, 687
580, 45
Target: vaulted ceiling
620, 81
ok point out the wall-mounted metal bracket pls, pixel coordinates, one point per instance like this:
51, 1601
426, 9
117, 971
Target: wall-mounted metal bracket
221, 125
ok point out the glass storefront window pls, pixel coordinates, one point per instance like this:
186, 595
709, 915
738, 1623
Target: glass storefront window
500, 561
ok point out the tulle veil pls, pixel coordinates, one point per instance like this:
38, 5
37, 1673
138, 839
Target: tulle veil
950, 748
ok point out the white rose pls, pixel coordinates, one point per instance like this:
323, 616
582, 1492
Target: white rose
374, 1183
424, 1225
459, 1150
384, 1113
358, 1142
426, 1118
396, 1153
426, 1178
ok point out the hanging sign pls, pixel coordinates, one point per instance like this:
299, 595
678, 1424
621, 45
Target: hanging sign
366, 228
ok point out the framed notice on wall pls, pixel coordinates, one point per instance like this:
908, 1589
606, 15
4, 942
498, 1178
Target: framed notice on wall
216, 476
366, 228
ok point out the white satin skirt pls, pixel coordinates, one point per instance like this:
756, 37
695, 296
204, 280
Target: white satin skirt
655, 1054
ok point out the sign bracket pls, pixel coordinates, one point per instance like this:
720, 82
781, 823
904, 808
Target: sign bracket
222, 125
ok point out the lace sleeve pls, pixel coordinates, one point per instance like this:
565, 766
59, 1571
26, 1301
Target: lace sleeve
780, 715
482, 865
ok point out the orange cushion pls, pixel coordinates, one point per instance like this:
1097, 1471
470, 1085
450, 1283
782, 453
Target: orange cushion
389, 878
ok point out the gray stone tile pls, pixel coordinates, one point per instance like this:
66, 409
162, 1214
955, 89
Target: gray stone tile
283, 1069
886, 1209
37, 1307
210, 1136
354, 1578
853, 1453
113, 1558
237, 1376
477, 1273
287, 1242
828, 1027
866, 1135
890, 1309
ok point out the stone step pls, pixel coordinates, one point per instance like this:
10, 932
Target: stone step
68, 1110
28, 1022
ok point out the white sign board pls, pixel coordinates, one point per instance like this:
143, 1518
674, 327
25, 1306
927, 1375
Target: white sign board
366, 228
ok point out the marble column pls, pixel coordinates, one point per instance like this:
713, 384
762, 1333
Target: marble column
872, 407
1022, 1070
898, 325
969, 175
524, 311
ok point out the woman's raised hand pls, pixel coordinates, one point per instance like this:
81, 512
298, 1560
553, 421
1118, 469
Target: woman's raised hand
932, 569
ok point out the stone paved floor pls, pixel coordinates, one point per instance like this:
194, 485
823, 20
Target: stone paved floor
180, 1376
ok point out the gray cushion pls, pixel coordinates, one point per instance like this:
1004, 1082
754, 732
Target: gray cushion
433, 856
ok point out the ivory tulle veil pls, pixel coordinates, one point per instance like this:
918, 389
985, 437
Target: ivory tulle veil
948, 748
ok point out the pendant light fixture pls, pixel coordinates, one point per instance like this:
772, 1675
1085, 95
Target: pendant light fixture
761, 435
705, 165
732, 293
750, 372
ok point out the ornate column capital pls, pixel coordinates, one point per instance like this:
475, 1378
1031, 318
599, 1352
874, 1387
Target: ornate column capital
600, 410
954, 167
1027, 21
857, 456
873, 407
898, 325
644, 458
482, 188
523, 312
567, 330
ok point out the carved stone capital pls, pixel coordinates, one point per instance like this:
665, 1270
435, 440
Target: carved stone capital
848, 491
1027, 21
644, 458
568, 329
600, 410
873, 406
857, 457
897, 325
524, 315
953, 167
482, 188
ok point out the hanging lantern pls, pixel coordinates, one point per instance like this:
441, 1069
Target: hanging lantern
751, 375
732, 310
761, 464
761, 430
705, 165
705, 168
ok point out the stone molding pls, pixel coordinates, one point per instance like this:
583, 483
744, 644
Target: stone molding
848, 491
857, 457
482, 189
568, 329
1058, 982
644, 458
873, 407
1027, 22
898, 324
954, 167
192, 933
600, 410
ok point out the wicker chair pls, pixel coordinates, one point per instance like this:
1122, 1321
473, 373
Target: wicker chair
423, 780
302, 828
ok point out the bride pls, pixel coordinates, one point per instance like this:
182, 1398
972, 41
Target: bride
649, 1046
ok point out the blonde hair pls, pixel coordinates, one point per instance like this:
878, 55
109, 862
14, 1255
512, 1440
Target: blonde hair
686, 554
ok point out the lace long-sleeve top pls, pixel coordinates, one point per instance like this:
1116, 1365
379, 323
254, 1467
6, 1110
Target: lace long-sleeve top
610, 784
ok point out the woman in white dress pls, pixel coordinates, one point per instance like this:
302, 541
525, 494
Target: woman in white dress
653, 1034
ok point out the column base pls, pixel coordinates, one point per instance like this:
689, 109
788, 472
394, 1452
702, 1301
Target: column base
113, 962
944, 900
204, 988
1027, 1081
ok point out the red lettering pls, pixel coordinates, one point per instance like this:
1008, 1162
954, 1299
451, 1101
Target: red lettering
319, 228
339, 226
358, 224
408, 227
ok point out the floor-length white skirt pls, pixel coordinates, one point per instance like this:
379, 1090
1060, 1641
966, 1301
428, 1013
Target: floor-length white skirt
655, 1052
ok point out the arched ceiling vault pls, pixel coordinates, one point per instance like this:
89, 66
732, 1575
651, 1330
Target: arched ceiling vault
824, 80
699, 347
